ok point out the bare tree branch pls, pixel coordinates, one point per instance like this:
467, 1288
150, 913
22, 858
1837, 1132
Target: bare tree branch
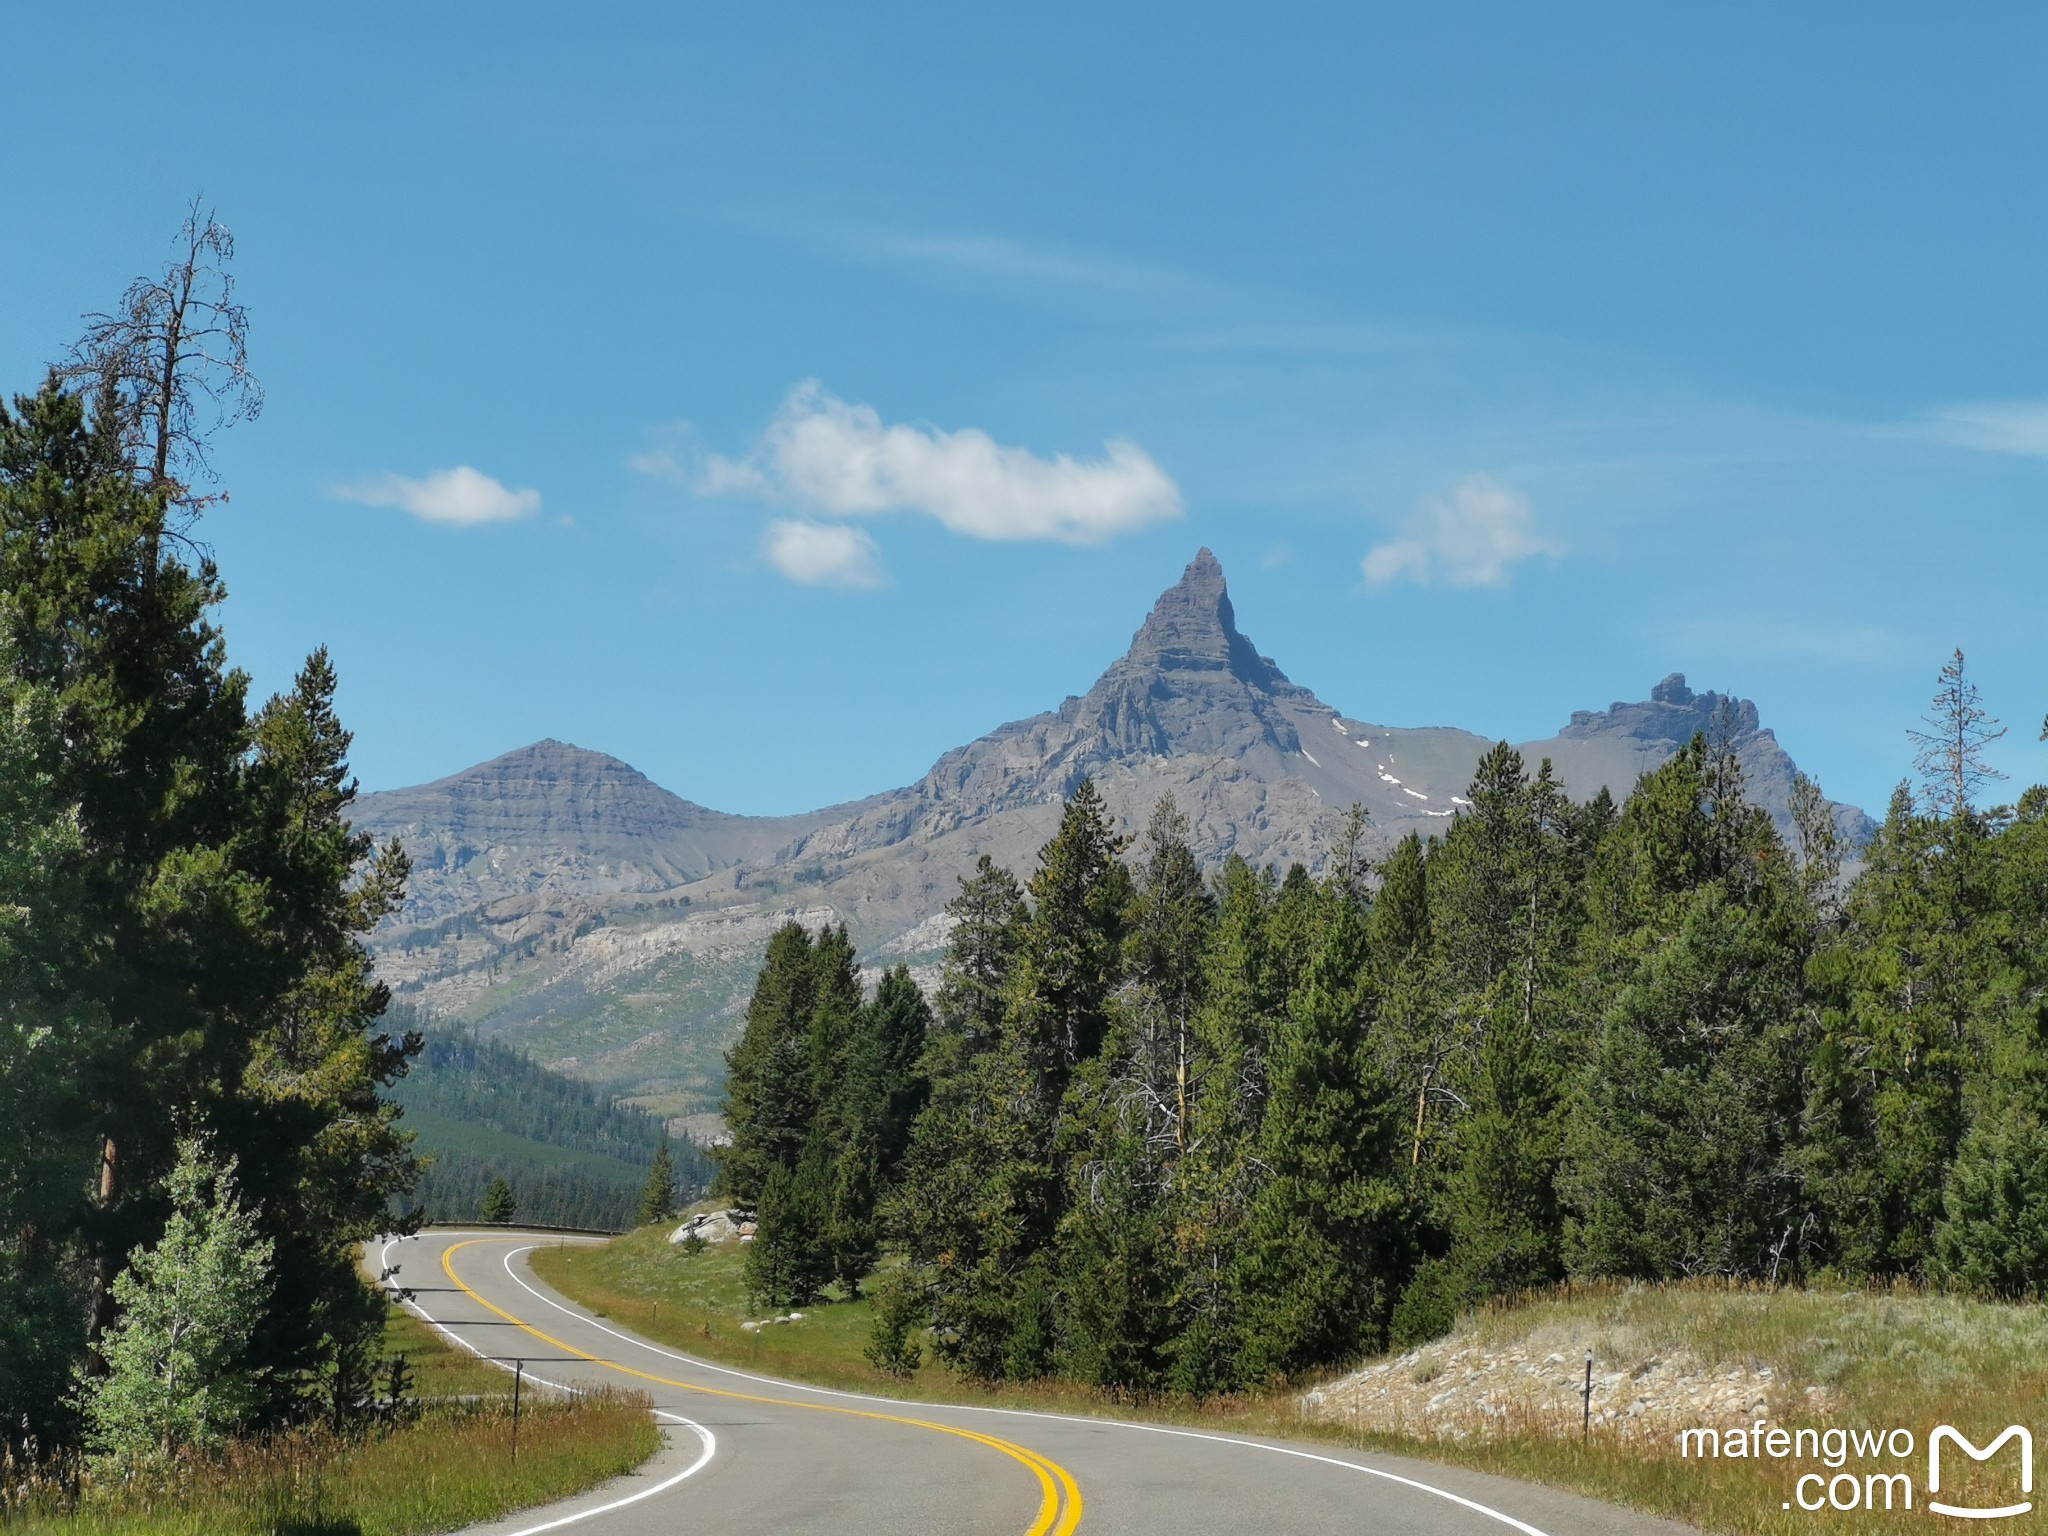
173, 362
1949, 754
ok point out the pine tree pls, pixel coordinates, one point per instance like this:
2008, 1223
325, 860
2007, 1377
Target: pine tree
46, 1039
658, 1196
221, 893
1919, 993
1234, 1030
501, 1206
791, 1258
1115, 1246
1992, 1235
1498, 1201
1680, 1154
1323, 1255
992, 1281
155, 725
1170, 925
178, 1371
770, 1091
893, 1346
896, 1027
1949, 754
881, 1092
1067, 953
974, 987
322, 1150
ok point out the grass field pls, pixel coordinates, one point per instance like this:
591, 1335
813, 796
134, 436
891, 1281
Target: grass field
1882, 1361
451, 1466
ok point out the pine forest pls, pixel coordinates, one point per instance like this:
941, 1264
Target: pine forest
1167, 1130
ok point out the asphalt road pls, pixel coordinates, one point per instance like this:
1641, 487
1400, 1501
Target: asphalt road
749, 1453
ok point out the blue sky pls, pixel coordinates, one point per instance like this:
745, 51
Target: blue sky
776, 397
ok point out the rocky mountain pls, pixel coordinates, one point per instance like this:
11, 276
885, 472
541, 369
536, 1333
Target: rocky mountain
565, 901
557, 816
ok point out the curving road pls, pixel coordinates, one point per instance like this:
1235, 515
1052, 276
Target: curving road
748, 1453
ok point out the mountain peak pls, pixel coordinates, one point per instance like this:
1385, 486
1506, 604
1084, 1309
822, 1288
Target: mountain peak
1190, 682
1672, 691
1192, 628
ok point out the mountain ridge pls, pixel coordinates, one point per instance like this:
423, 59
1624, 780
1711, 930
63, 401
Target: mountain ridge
611, 926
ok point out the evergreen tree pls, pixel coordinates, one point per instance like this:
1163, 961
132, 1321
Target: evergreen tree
500, 1206
179, 1373
1127, 1124
658, 1198
994, 1286
770, 1092
806, 1100
1498, 1200
1681, 1156
46, 1146
1234, 1031
322, 1150
974, 987
1115, 1246
1992, 1235
1170, 924
893, 1345
1923, 981
947, 1175
876, 1102
155, 727
895, 1029
791, 1259
1949, 753
221, 895
1323, 1255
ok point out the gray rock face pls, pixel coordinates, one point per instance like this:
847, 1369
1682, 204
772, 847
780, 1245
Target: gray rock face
613, 928
1189, 684
555, 816
1617, 745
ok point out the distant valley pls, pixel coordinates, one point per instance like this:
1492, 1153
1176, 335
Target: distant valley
566, 904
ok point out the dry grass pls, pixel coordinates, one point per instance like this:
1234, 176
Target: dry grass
1880, 1359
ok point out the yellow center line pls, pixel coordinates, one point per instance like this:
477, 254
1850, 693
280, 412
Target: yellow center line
1053, 1479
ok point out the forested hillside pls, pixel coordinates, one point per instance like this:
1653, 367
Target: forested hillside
483, 1111
1168, 1131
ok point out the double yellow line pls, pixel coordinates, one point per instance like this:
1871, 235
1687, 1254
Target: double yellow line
1059, 1506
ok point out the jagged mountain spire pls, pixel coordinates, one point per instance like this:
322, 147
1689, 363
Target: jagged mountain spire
1190, 682
1192, 628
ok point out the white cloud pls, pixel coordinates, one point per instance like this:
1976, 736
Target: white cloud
1996, 426
831, 459
823, 554
463, 496
1468, 537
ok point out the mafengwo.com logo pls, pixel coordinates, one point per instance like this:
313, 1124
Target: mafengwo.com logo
1872, 1469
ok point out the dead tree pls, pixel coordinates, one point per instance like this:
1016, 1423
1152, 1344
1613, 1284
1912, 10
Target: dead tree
172, 364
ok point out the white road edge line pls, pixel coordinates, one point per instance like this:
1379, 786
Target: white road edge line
1023, 1413
708, 1440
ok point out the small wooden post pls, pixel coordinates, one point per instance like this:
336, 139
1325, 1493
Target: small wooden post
518, 1379
1586, 1429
